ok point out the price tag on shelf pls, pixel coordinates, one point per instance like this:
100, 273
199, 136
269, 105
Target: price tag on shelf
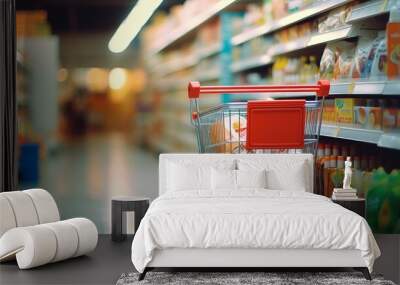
350, 87
329, 130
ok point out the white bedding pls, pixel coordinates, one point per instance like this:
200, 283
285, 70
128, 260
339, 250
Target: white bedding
251, 218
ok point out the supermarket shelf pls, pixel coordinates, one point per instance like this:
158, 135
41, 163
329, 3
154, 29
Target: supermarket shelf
378, 137
286, 21
390, 140
209, 51
369, 9
178, 65
350, 133
378, 87
371, 87
283, 48
383, 87
191, 25
251, 63
343, 33
301, 43
211, 75
188, 61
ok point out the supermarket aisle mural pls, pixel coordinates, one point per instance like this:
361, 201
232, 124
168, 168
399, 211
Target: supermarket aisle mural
383, 201
289, 42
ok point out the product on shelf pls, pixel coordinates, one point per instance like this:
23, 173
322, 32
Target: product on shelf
389, 114
344, 110
336, 61
295, 70
377, 57
253, 48
279, 9
379, 64
383, 200
254, 16
330, 168
231, 130
359, 69
295, 32
334, 19
368, 116
329, 113
209, 34
393, 42
344, 63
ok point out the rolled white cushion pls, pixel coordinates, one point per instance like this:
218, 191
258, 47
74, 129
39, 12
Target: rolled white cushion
23, 208
37, 245
87, 235
67, 240
7, 218
33, 246
46, 207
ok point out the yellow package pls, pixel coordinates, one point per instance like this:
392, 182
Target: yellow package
344, 110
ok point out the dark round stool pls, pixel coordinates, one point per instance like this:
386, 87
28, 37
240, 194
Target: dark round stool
121, 204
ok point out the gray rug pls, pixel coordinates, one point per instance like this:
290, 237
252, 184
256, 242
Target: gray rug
233, 278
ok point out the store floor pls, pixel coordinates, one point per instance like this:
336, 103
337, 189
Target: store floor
84, 175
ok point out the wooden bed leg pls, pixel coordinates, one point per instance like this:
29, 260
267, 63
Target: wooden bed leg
143, 274
364, 271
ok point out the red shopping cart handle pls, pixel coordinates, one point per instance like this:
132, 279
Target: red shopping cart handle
195, 89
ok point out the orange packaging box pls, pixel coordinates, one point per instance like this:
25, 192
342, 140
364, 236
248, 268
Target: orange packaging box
368, 117
389, 118
393, 45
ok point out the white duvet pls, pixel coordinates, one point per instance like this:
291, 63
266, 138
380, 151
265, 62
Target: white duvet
252, 218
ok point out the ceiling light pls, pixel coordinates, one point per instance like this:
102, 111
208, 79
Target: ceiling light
131, 26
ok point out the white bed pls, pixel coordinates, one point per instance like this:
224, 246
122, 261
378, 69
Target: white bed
248, 227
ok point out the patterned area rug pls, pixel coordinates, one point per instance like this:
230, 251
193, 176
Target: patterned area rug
243, 278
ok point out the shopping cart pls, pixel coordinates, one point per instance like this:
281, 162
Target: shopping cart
268, 126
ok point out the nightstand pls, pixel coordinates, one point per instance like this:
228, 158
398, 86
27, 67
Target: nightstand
122, 204
355, 205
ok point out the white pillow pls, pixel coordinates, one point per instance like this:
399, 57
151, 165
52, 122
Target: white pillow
223, 179
293, 179
183, 177
283, 172
251, 178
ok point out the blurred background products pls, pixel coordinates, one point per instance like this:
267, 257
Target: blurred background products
80, 104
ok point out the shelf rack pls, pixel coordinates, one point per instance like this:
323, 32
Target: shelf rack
362, 12
191, 25
286, 21
296, 45
378, 137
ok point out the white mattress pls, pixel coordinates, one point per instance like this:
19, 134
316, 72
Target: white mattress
253, 218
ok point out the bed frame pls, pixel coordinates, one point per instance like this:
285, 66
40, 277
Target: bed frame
243, 259
246, 258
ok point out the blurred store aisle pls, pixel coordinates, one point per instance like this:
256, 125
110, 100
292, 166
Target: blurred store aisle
84, 175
